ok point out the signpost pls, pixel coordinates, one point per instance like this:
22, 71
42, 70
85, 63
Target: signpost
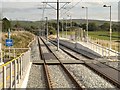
9, 42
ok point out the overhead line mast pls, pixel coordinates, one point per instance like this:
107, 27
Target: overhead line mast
58, 8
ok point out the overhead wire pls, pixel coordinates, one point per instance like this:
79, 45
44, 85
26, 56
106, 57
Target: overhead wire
71, 8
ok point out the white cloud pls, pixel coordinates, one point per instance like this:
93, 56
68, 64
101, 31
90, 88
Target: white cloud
28, 10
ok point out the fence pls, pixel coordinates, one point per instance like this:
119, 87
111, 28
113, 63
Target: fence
96, 45
10, 53
1, 56
12, 71
104, 51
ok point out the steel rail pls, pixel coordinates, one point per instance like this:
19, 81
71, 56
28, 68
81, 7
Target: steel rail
77, 85
49, 84
108, 78
79, 53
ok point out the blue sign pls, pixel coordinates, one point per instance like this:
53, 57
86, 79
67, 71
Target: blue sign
9, 42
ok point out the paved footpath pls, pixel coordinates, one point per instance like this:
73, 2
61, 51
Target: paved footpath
88, 46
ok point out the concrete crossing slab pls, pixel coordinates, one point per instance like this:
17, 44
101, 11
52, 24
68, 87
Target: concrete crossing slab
72, 61
38, 62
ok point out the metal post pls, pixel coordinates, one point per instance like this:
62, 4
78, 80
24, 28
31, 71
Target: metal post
57, 18
44, 30
20, 67
57, 24
4, 76
18, 70
66, 28
29, 54
71, 25
110, 28
14, 53
9, 36
87, 22
15, 74
62, 27
9, 53
11, 75
4, 54
47, 27
71, 20
1, 57
79, 34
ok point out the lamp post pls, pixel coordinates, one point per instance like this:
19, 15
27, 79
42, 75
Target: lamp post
110, 24
86, 20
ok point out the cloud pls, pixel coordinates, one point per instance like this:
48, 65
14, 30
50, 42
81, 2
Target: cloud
29, 10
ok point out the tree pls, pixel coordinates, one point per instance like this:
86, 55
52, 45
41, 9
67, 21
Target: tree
17, 25
83, 26
51, 30
105, 26
92, 27
54, 25
75, 24
115, 27
5, 25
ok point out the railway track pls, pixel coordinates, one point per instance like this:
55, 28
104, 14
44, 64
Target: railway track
47, 72
47, 76
110, 74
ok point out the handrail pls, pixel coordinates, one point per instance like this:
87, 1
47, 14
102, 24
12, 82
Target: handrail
11, 61
105, 48
16, 48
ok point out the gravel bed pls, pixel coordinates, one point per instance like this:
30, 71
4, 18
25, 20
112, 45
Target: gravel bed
87, 77
36, 77
75, 54
59, 78
35, 56
60, 54
114, 64
43, 47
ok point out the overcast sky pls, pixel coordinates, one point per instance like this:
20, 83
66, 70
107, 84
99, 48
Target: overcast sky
28, 9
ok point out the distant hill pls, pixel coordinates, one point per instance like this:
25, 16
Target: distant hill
26, 23
99, 22
37, 23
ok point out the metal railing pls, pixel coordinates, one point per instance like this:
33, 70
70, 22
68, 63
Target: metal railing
102, 50
12, 71
1, 56
12, 53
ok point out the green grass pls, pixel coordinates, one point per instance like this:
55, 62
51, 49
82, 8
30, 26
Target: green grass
101, 35
104, 35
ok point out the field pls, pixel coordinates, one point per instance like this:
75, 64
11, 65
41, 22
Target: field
104, 35
101, 37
